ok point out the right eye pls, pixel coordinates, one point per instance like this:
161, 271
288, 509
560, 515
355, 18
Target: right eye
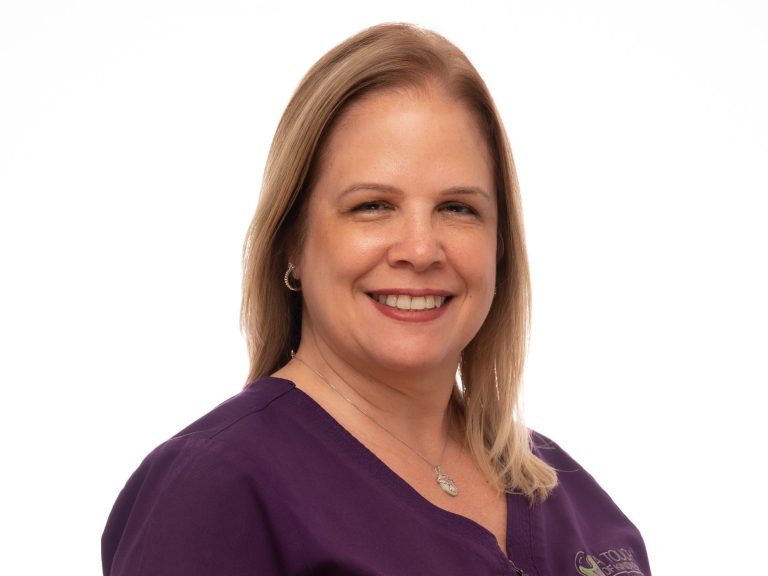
372, 206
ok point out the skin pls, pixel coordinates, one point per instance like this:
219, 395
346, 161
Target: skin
404, 204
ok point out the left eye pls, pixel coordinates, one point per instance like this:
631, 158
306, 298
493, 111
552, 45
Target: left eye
459, 208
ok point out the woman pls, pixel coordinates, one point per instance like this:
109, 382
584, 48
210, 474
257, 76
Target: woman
386, 253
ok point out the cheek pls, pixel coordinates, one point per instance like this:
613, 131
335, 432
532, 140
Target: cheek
362, 242
334, 252
478, 259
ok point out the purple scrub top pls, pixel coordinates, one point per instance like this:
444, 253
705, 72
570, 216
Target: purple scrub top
268, 483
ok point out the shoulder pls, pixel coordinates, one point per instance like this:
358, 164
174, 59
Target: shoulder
552, 453
231, 436
221, 433
583, 520
574, 481
253, 402
233, 428
212, 473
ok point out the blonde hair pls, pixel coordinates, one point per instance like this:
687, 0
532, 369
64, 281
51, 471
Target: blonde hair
491, 368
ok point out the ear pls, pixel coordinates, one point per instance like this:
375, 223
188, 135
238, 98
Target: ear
294, 257
293, 242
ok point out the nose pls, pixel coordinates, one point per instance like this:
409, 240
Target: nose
416, 243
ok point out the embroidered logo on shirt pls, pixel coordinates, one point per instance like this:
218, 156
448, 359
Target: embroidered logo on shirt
611, 562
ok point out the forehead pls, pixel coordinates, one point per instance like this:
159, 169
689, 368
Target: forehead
402, 99
391, 131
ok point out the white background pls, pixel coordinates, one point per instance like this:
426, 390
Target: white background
132, 140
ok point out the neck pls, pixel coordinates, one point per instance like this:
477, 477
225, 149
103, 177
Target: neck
413, 406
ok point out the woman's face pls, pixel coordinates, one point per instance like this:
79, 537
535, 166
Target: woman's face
398, 261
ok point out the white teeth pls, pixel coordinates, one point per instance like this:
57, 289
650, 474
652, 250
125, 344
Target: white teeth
406, 302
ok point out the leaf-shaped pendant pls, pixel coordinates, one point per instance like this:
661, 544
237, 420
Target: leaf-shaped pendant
446, 483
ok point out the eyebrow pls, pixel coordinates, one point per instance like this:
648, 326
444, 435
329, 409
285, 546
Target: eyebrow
372, 186
474, 190
386, 189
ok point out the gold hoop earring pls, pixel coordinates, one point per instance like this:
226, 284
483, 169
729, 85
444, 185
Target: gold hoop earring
287, 279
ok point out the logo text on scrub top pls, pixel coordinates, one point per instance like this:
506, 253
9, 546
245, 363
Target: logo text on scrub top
613, 562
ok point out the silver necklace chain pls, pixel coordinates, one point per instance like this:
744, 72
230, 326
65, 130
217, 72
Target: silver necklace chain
445, 482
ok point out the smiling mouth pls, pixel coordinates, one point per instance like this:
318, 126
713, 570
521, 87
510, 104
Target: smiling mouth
406, 302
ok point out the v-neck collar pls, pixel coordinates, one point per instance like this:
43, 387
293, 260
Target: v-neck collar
519, 509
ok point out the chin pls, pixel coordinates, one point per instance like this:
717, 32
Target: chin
412, 360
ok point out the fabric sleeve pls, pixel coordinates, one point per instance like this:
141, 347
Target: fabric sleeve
580, 517
189, 510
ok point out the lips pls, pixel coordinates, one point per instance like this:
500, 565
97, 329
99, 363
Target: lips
409, 302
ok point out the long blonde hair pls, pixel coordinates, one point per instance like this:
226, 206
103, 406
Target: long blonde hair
491, 368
